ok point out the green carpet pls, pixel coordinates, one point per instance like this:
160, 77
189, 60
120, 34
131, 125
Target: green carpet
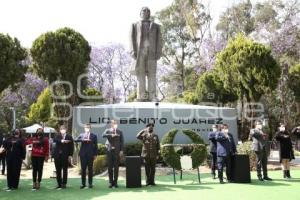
188, 188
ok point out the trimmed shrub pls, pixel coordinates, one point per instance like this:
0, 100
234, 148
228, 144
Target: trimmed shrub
133, 149
101, 149
100, 164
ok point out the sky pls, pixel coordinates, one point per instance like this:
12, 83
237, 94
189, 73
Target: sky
99, 21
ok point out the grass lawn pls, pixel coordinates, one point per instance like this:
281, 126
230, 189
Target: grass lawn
187, 189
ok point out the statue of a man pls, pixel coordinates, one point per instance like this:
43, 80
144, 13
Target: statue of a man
146, 49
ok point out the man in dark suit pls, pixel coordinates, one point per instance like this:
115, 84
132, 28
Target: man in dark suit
87, 153
114, 144
226, 148
213, 149
63, 152
150, 151
260, 145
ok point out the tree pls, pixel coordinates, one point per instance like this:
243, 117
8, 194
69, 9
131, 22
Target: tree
237, 19
294, 76
211, 89
21, 99
109, 72
12, 65
248, 70
294, 83
184, 26
41, 110
62, 55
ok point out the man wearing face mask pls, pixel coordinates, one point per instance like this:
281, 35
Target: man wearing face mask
146, 49
213, 149
14, 147
114, 144
226, 149
63, 152
286, 151
87, 153
260, 146
150, 151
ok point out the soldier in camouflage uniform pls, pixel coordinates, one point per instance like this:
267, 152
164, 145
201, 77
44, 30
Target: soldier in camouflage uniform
150, 151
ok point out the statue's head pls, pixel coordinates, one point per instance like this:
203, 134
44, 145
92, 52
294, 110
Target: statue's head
145, 13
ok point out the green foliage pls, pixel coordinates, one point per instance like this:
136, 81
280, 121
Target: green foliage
190, 97
101, 149
63, 54
132, 97
41, 110
183, 26
12, 55
133, 149
95, 95
236, 19
245, 148
168, 153
211, 89
100, 164
199, 153
247, 68
294, 80
172, 158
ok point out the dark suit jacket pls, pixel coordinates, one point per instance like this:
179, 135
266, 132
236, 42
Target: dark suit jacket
63, 149
213, 142
116, 143
259, 142
225, 146
88, 149
15, 148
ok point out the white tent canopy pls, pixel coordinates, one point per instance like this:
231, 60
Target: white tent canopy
34, 127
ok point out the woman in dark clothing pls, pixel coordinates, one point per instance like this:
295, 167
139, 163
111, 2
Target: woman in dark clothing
14, 147
286, 152
39, 154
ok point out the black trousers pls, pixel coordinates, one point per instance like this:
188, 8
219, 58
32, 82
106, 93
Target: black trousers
213, 165
61, 165
150, 164
37, 168
86, 163
113, 160
225, 161
2, 163
261, 162
13, 172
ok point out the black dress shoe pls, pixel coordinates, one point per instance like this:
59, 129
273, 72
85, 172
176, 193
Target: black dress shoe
222, 182
58, 187
267, 179
153, 184
110, 185
260, 178
63, 186
90, 186
82, 186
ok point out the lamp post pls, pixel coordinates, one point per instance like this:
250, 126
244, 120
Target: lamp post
14, 117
